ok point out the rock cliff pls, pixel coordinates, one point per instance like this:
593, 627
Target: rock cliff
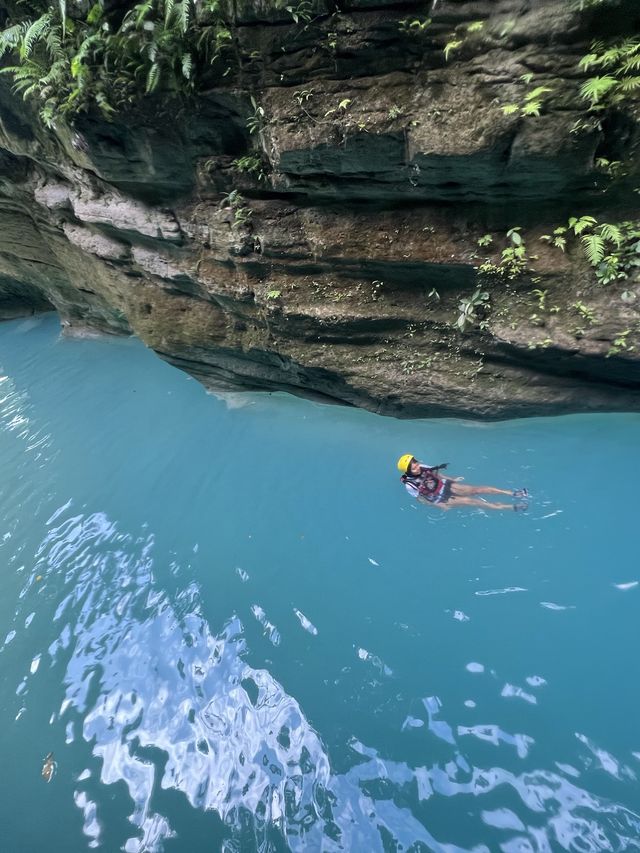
351, 246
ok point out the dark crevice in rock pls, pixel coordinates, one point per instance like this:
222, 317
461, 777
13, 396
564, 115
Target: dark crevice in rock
615, 372
18, 299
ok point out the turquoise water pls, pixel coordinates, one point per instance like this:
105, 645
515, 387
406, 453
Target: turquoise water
235, 631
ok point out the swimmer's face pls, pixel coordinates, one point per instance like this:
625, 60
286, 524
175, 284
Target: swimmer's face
414, 467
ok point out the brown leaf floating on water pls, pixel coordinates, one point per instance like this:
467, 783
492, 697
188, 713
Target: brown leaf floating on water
48, 768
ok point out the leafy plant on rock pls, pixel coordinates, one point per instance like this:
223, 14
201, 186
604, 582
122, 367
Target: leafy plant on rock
468, 308
250, 164
532, 103
513, 259
413, 26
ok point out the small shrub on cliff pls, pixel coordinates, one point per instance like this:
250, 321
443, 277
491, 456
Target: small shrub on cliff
252, 165
513, 259
469, 309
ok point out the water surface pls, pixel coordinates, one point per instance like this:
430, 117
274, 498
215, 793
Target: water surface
235, 632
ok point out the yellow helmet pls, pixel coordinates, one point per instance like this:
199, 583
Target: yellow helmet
404, 461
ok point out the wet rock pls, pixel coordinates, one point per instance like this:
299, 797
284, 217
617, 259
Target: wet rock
337, 266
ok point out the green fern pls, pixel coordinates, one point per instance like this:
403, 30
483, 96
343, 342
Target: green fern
582, 224
587, 61
629, 84
621, 62
62, 6
631, 64
153, 77
534, 94
33, 34
168, 11
532, 108
10, 38
67, 63
451, 46
594, 247
185, 15
611, 233
141, 11
596, 88
187, 65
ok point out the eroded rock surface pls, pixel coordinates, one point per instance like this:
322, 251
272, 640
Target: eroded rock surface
339, 271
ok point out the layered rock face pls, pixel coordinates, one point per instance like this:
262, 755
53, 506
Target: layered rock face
341, 264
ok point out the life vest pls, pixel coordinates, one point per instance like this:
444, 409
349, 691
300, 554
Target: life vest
422, 488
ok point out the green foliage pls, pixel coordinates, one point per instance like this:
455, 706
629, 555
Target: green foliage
585, 312
257, 119
302, 96
415, 26
66, 64
274, 294
342, 107
513, 259
301, 12
613, 168
621, 344
236, 202
532, 103
252, 165
463, 33
619, 64
557, 239
468, 308
541, 296
450, 46
612, 249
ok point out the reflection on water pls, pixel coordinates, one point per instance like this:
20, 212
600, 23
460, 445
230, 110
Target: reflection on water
166, 702
165, 690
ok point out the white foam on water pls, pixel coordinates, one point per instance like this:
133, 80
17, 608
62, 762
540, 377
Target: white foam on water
412, 723
568, 769
504, 591
306, 623
270, 630
512, 690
